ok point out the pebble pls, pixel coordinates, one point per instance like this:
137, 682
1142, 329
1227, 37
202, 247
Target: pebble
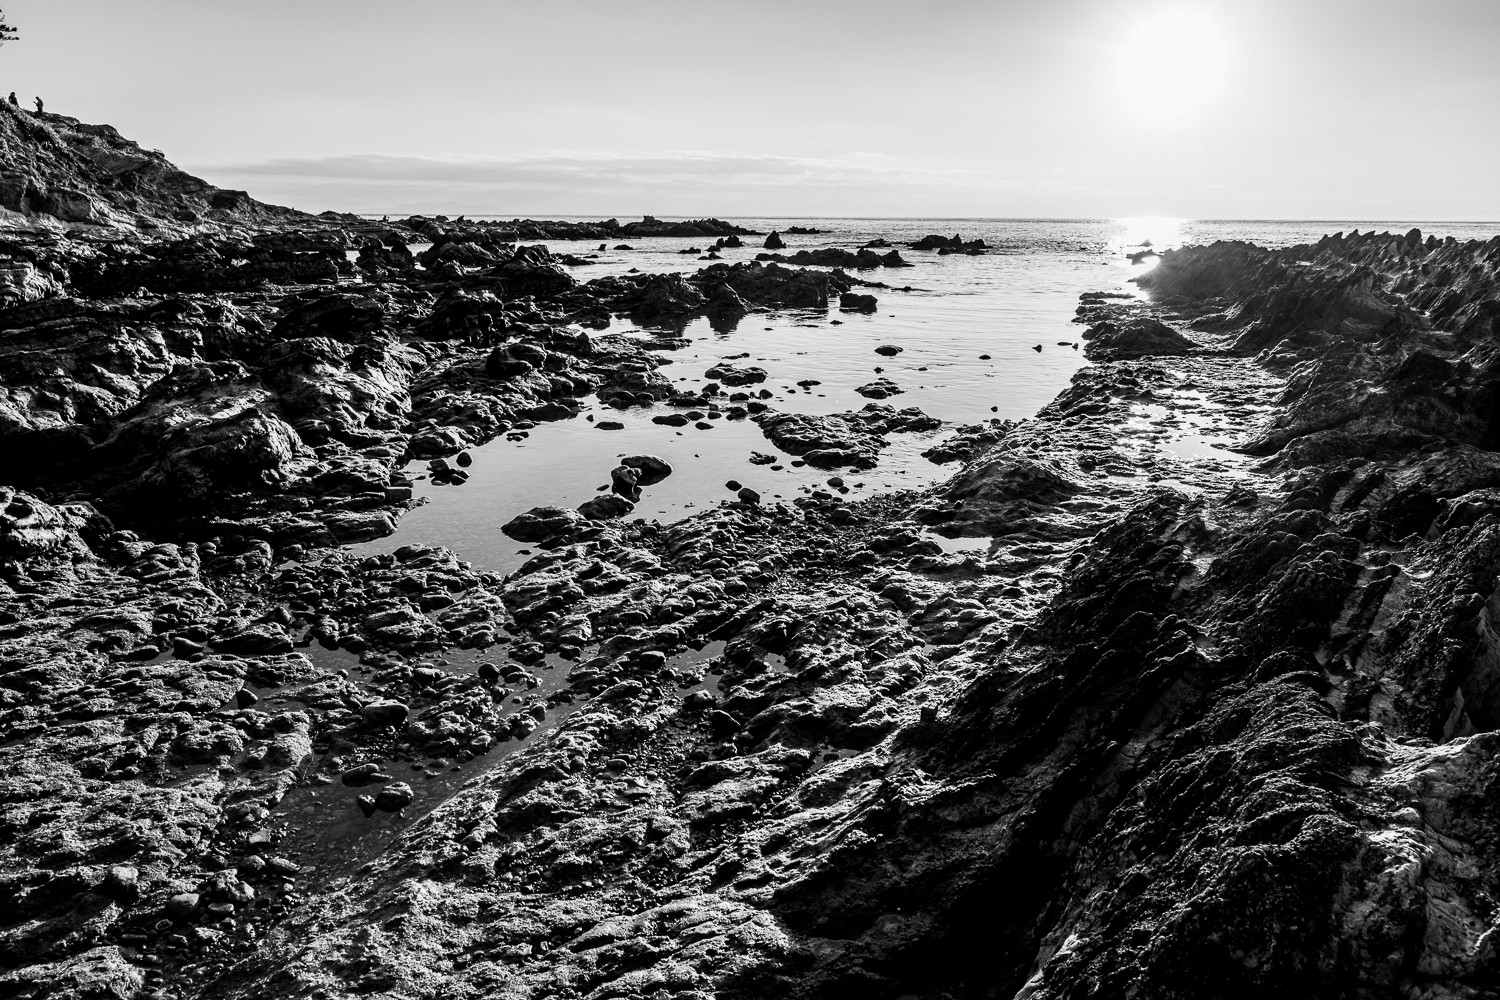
182, 905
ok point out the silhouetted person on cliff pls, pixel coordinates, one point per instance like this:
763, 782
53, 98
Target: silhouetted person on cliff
38, 104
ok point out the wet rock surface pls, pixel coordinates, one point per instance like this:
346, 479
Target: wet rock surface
1184, 687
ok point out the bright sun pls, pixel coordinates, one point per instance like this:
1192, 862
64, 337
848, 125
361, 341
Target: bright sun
1173, 62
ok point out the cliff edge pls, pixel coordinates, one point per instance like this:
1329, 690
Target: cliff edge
56, 170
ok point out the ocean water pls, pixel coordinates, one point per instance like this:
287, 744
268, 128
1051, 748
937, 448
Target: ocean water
1006, 304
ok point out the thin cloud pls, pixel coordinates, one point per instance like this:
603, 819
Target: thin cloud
675, 183
570, 170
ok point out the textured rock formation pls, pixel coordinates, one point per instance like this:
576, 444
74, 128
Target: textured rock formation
60, 170
1209, 712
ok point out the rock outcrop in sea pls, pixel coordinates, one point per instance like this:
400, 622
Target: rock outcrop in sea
1192, 722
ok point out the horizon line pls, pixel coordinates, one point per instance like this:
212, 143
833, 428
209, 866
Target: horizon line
600, 216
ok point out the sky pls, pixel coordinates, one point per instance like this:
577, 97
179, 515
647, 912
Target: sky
1253, 109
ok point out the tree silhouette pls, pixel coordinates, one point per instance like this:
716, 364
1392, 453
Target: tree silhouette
7, 31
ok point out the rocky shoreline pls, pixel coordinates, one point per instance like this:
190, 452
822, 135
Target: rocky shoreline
1193, 722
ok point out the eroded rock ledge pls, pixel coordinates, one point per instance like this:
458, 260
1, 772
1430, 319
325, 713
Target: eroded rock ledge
1211, 713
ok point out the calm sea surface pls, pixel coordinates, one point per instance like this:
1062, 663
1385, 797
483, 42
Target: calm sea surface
1004, 304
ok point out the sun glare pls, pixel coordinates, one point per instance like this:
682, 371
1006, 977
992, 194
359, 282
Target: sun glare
1173, 62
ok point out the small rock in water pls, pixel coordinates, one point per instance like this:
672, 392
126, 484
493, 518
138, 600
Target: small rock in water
615, 425
623, 480
854, 302
748, 495
733, 484
464, 459
890, 350
244, 697
1038, 348
652, 469
395, 797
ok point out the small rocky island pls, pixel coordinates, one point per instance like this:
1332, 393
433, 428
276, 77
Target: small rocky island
1190, 723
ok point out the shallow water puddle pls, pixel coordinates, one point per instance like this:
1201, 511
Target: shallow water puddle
564, 463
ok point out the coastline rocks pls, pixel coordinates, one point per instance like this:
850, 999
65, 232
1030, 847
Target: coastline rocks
947, 244
773, 286
1181, 734
606, 507
774, 241
634, 384
623, 480
394, 797
30, 528
76, 172
650, 226
529, 271
835, 257
731, 375
852, 302
342, 316
385, 713
253, 639
651, 469
542, 523
102, 973
664, 298
21, 282
879, 389
842, 439
1136, 338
